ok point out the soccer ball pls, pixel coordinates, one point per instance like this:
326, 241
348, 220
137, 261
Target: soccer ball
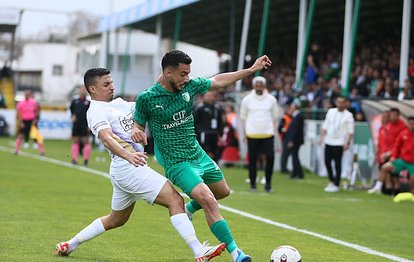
285, 253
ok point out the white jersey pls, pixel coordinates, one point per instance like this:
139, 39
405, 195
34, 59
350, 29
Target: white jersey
118, 116
129, 182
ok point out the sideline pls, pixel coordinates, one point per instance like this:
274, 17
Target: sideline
229, 209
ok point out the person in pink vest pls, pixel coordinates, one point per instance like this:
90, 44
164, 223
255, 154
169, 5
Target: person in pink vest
27, 113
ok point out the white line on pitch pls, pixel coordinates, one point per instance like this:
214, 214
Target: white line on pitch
229, 209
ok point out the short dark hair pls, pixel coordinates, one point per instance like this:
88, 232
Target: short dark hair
343, 97
394, 109
410, 118
174, 58
92, 74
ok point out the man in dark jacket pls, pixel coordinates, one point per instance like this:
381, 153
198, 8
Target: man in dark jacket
294, 139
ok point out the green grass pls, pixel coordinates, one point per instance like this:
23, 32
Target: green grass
43, 203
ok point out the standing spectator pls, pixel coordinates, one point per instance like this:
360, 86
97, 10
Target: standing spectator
259, 111
27, 114
312, 68
283, 127
80, 130
392, 130
2, 101
402, 154
337, 132
294, 139
209, 123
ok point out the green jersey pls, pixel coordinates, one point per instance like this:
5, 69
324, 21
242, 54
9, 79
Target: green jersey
170, 118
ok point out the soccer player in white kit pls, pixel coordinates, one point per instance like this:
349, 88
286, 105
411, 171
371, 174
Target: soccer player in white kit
111, 121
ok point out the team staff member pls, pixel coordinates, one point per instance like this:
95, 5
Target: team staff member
259, 111
337, 133
167, 106
80, 130
132, 179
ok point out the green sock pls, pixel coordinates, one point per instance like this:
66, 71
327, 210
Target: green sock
222, 231
193, 206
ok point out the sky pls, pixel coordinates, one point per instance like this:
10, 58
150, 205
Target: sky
41, 14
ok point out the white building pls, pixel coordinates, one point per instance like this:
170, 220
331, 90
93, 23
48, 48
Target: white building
49, 69
135, 60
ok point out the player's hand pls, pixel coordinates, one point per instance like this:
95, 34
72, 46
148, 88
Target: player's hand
138, 136
138, 158
262, 62
346, 146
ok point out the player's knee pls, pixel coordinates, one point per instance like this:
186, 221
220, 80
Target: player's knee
223, 193
115, 221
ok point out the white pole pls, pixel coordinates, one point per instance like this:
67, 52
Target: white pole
243, 42
115, 60
104, 47
301, 33
405, 41
347, 41
156, 65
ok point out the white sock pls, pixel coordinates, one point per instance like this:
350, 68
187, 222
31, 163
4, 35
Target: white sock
234, 254
186, 230
378, 184
94, 229
189, 214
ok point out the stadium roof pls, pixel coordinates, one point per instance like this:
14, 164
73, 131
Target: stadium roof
207, 22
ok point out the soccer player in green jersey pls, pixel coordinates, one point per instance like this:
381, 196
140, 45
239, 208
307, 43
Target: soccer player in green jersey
167, 106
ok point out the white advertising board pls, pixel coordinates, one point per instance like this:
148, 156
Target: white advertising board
52, 124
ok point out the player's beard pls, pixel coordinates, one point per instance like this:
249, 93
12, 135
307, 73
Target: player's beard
175, 87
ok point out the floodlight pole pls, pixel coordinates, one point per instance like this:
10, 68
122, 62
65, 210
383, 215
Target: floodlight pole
405, 42
309, 19
355, 18
346, 42
243, 43
263, 30
301, 33
232, 33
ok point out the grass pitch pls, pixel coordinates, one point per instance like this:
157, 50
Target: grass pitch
44, 203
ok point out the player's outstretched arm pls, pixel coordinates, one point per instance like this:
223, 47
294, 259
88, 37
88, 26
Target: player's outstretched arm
110, 141
225, 79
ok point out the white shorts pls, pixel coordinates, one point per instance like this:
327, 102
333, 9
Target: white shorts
134, 183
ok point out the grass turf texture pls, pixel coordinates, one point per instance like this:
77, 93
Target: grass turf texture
43, 204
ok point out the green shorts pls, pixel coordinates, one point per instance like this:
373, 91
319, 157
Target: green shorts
400, 165
187, 175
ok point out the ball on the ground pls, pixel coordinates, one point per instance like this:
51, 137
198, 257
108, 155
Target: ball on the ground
285, 253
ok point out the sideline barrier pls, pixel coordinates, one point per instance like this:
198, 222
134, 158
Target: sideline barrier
52, 124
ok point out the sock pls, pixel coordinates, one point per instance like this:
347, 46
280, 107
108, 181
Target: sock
94, 229
75, 151
186, 230
378, 184
234, 254
18, 144
192, 206
222, 231
41, 148
86, 151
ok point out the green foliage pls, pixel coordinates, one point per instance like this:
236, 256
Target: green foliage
44, 203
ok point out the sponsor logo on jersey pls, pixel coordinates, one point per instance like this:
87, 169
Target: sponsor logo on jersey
127, 122
186, 96
178, 118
